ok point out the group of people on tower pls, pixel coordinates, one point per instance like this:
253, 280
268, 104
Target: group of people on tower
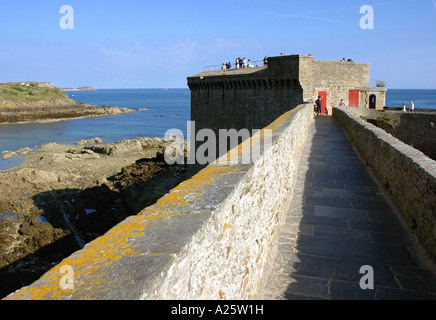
239, 64
244, 63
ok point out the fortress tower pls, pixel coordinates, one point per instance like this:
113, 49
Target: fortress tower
252, 98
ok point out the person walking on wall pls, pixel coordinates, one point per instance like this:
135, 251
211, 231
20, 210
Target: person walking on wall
318, 103
265, 61
404, 107
412, 106
342, 104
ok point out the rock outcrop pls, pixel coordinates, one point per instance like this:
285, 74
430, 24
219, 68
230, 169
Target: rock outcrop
63, 196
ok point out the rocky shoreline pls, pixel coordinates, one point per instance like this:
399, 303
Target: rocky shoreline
55, 112
31, 101
64, 196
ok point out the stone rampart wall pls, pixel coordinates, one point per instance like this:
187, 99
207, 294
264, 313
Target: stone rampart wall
209, 238
245, 108
408, 175
417, 129
248, 98
253, 97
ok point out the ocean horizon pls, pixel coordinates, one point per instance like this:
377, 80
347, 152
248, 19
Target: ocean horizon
157, 111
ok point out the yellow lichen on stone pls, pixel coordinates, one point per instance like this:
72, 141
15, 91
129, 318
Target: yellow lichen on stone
188, 191
226, 225
87, 263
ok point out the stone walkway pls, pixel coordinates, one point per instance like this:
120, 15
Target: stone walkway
337, 222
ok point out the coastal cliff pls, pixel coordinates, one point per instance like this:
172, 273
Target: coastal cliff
24, 102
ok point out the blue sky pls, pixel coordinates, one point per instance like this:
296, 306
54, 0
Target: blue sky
159, 43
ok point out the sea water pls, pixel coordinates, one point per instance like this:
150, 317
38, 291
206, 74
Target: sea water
422, 98
167, 109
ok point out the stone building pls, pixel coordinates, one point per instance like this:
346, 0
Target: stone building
252, 98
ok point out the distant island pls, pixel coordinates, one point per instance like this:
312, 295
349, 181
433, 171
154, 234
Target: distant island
32, 101
79, 89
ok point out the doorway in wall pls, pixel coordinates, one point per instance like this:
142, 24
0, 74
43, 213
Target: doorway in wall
353, 98
372, 101
323, 95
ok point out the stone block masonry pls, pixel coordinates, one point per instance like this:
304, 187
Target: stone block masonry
252, 98
417, 129
408, 175
338, 78
209, 238
340, 224
226, 259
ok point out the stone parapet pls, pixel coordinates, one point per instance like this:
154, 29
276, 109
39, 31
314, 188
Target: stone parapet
209, 238
417, 129
407, 175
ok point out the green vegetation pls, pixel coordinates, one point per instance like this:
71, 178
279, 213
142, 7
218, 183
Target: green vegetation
385, 119
16, 92
384, 123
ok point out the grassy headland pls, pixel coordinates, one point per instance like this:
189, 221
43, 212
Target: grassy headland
13, 94
30, 101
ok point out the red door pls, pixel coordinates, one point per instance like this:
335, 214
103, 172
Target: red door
323, 95
354, 98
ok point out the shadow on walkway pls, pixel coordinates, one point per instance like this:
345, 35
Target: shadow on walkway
338, 222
